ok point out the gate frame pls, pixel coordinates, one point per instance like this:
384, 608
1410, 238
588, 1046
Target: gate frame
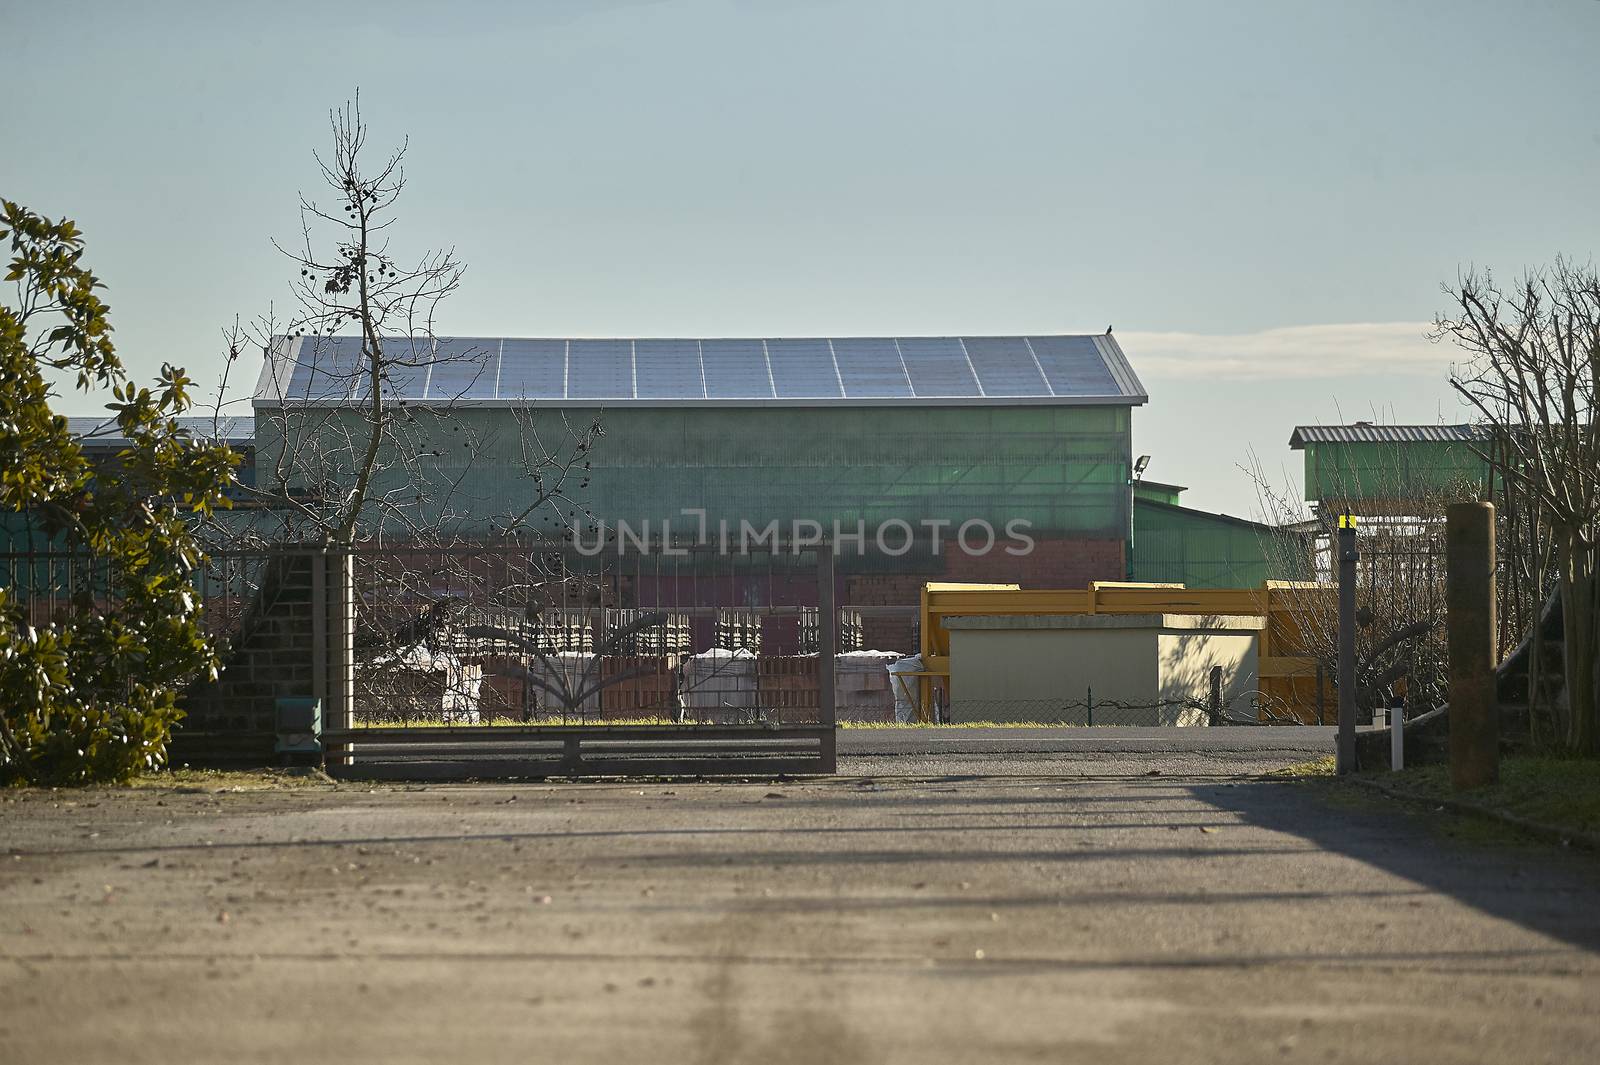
622, 750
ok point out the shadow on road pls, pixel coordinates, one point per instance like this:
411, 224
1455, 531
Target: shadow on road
1554, 892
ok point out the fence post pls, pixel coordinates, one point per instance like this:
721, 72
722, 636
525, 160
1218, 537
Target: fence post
320, 644
1469, 622
1089, 702
1345, 762
1216, 695
827, 638
333, 626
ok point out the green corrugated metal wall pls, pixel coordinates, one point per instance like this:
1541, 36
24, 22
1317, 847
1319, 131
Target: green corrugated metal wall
1201, 550
1063, 469
1335, 471
1161, 493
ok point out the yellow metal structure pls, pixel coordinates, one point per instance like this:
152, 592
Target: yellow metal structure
1288, 675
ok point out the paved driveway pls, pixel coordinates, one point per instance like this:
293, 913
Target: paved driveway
1191, 916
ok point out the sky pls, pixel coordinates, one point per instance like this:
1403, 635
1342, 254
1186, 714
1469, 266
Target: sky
1263, 199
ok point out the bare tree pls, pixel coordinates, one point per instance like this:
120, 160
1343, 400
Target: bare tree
1533, 374
369, 436
1400, 582
364, 427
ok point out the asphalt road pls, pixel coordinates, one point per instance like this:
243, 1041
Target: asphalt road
1102, 916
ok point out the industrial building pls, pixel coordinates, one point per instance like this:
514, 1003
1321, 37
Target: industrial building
1175, 544
918, 435
1388, 470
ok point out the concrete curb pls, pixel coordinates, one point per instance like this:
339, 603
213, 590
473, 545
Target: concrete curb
1550, 833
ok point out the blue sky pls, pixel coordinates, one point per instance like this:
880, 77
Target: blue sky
1263, 197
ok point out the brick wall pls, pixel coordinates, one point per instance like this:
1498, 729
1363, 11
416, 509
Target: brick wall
271, 658
1051, 564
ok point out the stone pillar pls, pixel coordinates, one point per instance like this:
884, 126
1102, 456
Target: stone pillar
1469, 599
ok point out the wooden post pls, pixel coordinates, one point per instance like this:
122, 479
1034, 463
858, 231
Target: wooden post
827, 640
1469, 602
1345, 760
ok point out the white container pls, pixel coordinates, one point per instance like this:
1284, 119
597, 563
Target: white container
861, 690
562, 672
904, 688
718, 681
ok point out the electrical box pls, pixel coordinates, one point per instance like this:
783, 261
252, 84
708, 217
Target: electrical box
298, 723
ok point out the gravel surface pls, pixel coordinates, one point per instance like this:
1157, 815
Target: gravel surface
1069, 914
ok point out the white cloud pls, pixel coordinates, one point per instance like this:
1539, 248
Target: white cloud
1294, 352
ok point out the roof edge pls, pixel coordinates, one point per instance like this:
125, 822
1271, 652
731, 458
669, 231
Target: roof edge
1369, 433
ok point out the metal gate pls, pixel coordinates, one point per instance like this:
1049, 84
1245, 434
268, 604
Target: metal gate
537, 660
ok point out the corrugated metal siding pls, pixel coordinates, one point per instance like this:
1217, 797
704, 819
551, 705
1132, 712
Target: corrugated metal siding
1161, 493
1063, 469
106, 433
1389, 471
1201, 550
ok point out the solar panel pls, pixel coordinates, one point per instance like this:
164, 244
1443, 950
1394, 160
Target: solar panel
871, 368
938, 367
799, 371
668, 369
532, 369
803, 369
325, 368
600, 369
735, 369
1005, 366
403, 363
1074, 366
463, 368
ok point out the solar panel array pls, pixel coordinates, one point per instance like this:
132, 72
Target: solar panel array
1060, 368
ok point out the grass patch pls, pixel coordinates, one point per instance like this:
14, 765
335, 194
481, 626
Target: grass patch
511, 722
1563, 793
504, 722
955, 724
1316, 769
264, 779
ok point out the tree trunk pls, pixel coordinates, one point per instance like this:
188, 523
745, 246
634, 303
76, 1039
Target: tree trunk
1578, 606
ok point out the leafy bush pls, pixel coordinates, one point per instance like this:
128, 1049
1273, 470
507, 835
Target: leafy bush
89, 692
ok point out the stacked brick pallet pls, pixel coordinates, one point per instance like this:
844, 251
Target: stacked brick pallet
638, 686
788, 687
896, 633
861, 691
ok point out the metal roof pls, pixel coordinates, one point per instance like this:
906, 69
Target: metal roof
1059, 370
106, 433
1367, 433
1208, 515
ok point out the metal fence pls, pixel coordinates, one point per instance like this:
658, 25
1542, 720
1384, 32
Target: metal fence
530, 654
508, 634
1247, 708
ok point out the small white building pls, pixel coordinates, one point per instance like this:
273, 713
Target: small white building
1101, 669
